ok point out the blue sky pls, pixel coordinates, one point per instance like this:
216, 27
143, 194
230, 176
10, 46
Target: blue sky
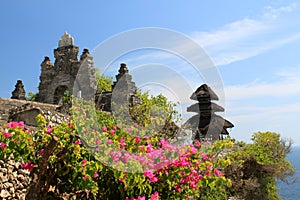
254, 45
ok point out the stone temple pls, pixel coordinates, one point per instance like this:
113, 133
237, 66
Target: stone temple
58, 78
72, 76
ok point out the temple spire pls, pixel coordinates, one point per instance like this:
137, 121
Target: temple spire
66, 40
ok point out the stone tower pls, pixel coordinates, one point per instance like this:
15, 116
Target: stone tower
19, 92
57, 79
206, 125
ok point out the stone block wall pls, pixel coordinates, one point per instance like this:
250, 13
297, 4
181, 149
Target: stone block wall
6, 105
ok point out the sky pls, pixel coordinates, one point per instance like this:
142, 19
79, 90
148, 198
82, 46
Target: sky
254, 46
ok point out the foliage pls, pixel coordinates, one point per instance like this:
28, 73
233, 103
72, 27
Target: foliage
95, 157
31, 96
257, 166
104, 83
156, 113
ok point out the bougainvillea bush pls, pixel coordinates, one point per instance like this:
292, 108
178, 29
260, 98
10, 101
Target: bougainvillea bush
61, 164
95, 157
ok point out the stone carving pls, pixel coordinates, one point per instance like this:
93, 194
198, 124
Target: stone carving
58, 79
124, 92
206, 125
66, 40
19, 92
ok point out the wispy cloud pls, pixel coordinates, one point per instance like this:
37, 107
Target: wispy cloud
287, 83
247, 37
236, 41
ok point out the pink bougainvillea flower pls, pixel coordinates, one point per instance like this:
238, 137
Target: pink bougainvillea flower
104, 128
3, 145
122, 142
83, 164
135, 125
16, 125
109, 141
95, 175
137, 139
149, 147
163, 142
7, 134
49, 130
77, 142
193, 149
28, 166
97, 141
71, 126
197, 143
218, 173
112, 132
129, 129
85, 177
154, 196
42, 151
204, 156
148, 173
120, 180
209, 168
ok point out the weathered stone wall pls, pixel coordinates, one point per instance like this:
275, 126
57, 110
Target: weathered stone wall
6, 105
14, 180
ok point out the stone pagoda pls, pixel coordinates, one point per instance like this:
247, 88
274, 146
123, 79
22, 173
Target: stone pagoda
206, 125
19, 92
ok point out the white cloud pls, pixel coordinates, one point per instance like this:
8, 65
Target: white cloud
274, 13
287, 84
235, 41
247, 37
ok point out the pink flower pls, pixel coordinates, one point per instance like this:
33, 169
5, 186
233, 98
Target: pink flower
96, 175
149, 147
163, 142
137, 139
109, 141
209, 168
104, 128
193, 185
148, 173
135, 125
129, 130
3, 145
218, 173
15, 125
83, 164
77, 142
112, 132
28, 166
42, 151
120, 180
7, 134
197, 143
193, 149
71, 126
85, 177
49, 130
204, 156
154, 196
114, 127
122, 142
97, 141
